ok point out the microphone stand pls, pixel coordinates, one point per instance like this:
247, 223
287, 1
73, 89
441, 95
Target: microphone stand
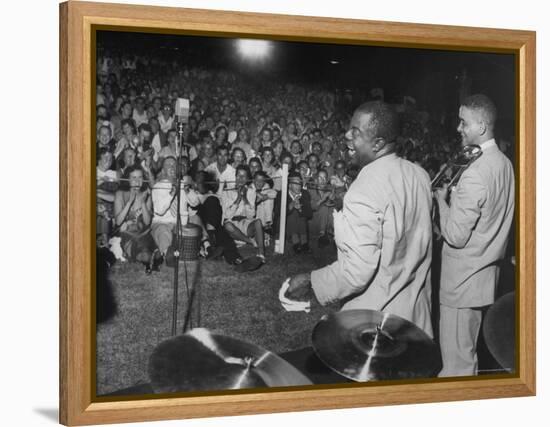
179, 145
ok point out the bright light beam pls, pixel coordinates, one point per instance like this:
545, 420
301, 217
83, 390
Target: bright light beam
254, 49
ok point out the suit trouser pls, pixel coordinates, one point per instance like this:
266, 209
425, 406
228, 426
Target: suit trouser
458, 333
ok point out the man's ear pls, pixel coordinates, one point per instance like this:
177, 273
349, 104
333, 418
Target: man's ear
379, 144
482, 127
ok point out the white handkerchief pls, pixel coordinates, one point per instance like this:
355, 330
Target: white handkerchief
292, 305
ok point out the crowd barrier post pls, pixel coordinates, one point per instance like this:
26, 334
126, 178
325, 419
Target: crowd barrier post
280, 242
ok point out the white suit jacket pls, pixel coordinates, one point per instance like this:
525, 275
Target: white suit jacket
384, 240
476, 228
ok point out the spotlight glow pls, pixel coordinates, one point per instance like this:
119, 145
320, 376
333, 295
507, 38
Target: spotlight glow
254, 49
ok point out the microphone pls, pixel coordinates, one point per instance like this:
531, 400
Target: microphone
182, 110
182, 116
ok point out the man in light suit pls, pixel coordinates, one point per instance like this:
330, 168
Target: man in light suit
475, 228
384, 231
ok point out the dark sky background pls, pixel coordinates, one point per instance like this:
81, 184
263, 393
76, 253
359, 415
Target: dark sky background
430, 76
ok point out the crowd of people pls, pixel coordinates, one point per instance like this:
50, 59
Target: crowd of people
234, 142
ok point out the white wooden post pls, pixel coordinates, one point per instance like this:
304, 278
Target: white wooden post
280, 243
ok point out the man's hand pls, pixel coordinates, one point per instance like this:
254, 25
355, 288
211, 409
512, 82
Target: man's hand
299, 288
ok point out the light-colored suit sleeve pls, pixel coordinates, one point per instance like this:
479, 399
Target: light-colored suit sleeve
358, 234
458, 220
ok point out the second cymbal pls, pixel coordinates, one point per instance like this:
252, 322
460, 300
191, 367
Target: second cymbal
367, 345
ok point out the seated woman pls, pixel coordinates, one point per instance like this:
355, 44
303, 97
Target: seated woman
239, 212
106, 186
133, 214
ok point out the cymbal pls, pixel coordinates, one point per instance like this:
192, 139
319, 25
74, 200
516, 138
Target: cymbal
499, 331
202, 360
367, 345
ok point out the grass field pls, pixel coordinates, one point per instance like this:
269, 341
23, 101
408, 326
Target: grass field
243, 306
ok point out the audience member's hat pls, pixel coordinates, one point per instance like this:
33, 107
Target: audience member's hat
294, 178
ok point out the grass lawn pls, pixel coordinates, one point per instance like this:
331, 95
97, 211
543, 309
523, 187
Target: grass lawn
243, 306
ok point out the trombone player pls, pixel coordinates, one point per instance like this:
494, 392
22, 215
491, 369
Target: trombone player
475, 225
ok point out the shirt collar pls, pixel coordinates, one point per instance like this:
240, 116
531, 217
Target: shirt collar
488, 144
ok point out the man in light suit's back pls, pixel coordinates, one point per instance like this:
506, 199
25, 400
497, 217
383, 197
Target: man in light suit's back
475, 227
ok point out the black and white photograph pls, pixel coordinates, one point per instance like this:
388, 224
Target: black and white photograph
274, 213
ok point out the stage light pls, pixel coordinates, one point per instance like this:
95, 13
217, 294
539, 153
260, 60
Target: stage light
334, 62
254, 49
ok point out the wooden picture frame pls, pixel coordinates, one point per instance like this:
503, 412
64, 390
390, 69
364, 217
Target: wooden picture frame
77, 405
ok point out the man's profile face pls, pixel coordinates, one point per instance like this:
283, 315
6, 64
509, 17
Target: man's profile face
469, 126
360, 140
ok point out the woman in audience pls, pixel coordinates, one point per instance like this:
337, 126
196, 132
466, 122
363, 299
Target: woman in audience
133, 213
